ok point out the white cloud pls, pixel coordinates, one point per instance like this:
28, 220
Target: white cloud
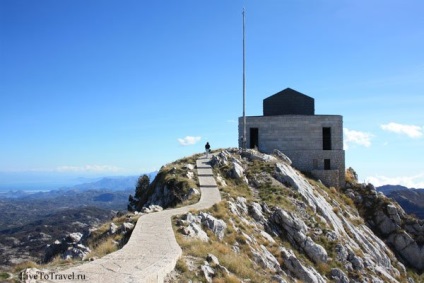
416, 181
88, 168
356, 137
411, 131
189, 140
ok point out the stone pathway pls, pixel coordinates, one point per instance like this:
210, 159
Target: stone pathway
152, 251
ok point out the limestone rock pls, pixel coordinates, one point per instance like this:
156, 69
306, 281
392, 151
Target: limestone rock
393, 213
278, 279
255, 211
113, 228
288, 176
339, 276
152, 208
221, 180
217, 226
78, 251
233, 208
403, 234
220, 159
253, 154
69, 247
296, 231
190, 218
267, 236
408, 249
74, 237
189, 166
192, 192
265, 259
126, 226
282, 156
212, 259
208, 272
237, 171
190, 175
385, 224
241, 205
305, 274
315, 251
357, 262
341, 253
195, 231
288, 221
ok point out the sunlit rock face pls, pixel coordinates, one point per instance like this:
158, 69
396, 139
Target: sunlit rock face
403, 233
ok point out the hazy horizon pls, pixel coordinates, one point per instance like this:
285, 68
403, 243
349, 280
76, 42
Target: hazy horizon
33, 181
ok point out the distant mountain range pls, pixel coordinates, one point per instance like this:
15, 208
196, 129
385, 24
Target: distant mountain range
31, 220
119, 183
411, 200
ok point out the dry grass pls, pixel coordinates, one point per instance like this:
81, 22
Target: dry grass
348, 200
236, 190
24, 265
323, 268
239, 264
58, 261
181, 266
219, 210
106, 247
102, 241
226, 279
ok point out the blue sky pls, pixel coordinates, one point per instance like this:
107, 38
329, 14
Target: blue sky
124, 87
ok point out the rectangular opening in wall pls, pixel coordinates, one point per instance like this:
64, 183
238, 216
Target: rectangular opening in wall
327, 164
254, 138
326, 138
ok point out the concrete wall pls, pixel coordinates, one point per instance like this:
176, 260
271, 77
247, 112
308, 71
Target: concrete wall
327, 177
300, 138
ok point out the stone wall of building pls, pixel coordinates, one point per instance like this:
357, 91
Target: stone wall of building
328, 177
300, 137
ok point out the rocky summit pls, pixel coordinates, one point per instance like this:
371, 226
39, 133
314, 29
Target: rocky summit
271, 223
276, 224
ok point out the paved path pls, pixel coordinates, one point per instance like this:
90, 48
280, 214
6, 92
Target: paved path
152, 251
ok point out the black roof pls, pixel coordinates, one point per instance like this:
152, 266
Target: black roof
288, 102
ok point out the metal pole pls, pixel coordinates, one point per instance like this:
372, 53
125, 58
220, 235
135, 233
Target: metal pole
244, 85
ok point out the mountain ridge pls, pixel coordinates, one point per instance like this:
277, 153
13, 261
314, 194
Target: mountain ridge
315, 227
275, 224
410, 199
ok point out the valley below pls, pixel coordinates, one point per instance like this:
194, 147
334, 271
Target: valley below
29, 223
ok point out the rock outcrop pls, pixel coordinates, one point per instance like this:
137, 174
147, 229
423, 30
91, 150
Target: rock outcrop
75, 246
276, 225
174, 184
190, 225
404, 234
70, 247
295, 227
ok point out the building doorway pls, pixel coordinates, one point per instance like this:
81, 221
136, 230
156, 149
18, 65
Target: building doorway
254, 138
327, 164
326, 138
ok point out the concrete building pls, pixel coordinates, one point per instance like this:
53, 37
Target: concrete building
314, 143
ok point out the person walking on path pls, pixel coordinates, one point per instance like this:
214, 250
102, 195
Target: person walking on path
207, 149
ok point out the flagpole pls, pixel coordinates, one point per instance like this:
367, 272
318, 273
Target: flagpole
244, 85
